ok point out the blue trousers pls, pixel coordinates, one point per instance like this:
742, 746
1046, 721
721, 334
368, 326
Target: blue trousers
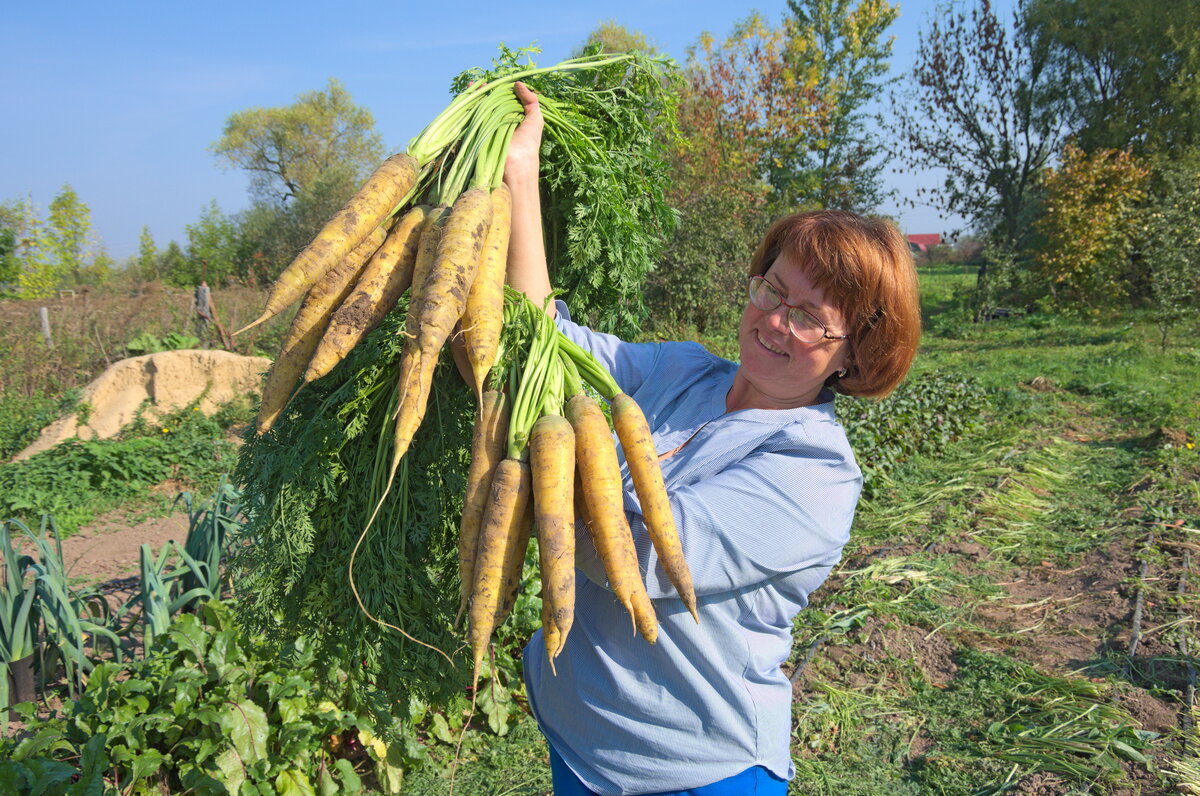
754, 781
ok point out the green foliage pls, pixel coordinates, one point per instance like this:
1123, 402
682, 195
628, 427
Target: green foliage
286, 149
1125, 70
23, 417
607, 217
310, 486
1088, 226
922, 417
146, 343
211, 251
69, 233
209, 712
77, 479
148, 260
1171, 245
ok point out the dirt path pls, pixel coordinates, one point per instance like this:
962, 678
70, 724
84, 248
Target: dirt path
108, 548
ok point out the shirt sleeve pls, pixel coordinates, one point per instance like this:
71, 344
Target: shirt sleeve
629, 363
771, 514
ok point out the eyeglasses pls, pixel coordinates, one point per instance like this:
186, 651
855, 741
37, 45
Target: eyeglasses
802, 323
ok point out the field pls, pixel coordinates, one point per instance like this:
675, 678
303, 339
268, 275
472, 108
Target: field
1016, 610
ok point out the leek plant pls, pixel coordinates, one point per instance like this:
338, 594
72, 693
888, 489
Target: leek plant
17, 619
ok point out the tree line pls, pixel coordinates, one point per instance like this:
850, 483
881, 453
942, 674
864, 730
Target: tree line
1065, 132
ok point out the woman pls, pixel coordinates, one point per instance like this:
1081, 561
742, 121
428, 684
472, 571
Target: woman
763, 486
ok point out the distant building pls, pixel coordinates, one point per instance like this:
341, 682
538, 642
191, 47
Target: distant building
921, 244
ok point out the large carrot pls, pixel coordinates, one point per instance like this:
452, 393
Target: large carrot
439, 305
307, 328
640, 454
365, 211
499, 532
552, 460
596, 458
484, 314
386, 276
514, 564
487, 449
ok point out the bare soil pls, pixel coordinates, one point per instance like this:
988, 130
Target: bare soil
108, 549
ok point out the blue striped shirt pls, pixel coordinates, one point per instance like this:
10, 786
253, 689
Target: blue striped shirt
763, 500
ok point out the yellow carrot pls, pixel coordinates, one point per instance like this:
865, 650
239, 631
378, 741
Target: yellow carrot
640, 454
386, 276
552, 461
307, 328
437, 307
499, 532
484, 313
600, 475
365, 211
487, 449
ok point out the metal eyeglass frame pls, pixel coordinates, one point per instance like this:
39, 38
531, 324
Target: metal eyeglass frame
825, 335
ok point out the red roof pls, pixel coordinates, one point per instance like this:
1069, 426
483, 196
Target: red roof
924, 240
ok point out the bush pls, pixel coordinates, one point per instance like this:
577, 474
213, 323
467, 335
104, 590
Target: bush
923, 416
23, 417
77, 479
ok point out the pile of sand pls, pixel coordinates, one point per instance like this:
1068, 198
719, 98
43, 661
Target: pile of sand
158, 384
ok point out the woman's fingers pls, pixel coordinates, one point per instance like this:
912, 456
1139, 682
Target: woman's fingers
527, 138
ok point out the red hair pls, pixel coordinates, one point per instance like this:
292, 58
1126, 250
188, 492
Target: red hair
863, 265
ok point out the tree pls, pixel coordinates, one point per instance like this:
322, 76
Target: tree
979, 109
211, 252
147, 258
1088, 224
615, 38
837, 48
174, 265
10, 227
68, 234
39, 274
1126, 69
1171, 245
286, 149
736, 106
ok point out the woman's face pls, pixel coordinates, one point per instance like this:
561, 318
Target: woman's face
778, 371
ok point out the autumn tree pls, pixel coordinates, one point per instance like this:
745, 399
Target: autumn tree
978, 108
836, 51
1088, 227
287, 149
737, 106
613, 37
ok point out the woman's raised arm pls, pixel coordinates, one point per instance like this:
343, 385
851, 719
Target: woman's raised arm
527, 268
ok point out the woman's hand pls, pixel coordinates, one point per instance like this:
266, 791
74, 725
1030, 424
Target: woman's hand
524, 150
527, 270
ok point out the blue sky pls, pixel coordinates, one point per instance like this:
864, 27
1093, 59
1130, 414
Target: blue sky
122, 99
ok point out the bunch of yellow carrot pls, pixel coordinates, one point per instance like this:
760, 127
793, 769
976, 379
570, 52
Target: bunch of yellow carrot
434, 221
548, 458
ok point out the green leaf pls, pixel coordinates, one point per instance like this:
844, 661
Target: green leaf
440, 729
245, 724
93, 763
351, 784
45, 775
292, 782
232, 772
148, 762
